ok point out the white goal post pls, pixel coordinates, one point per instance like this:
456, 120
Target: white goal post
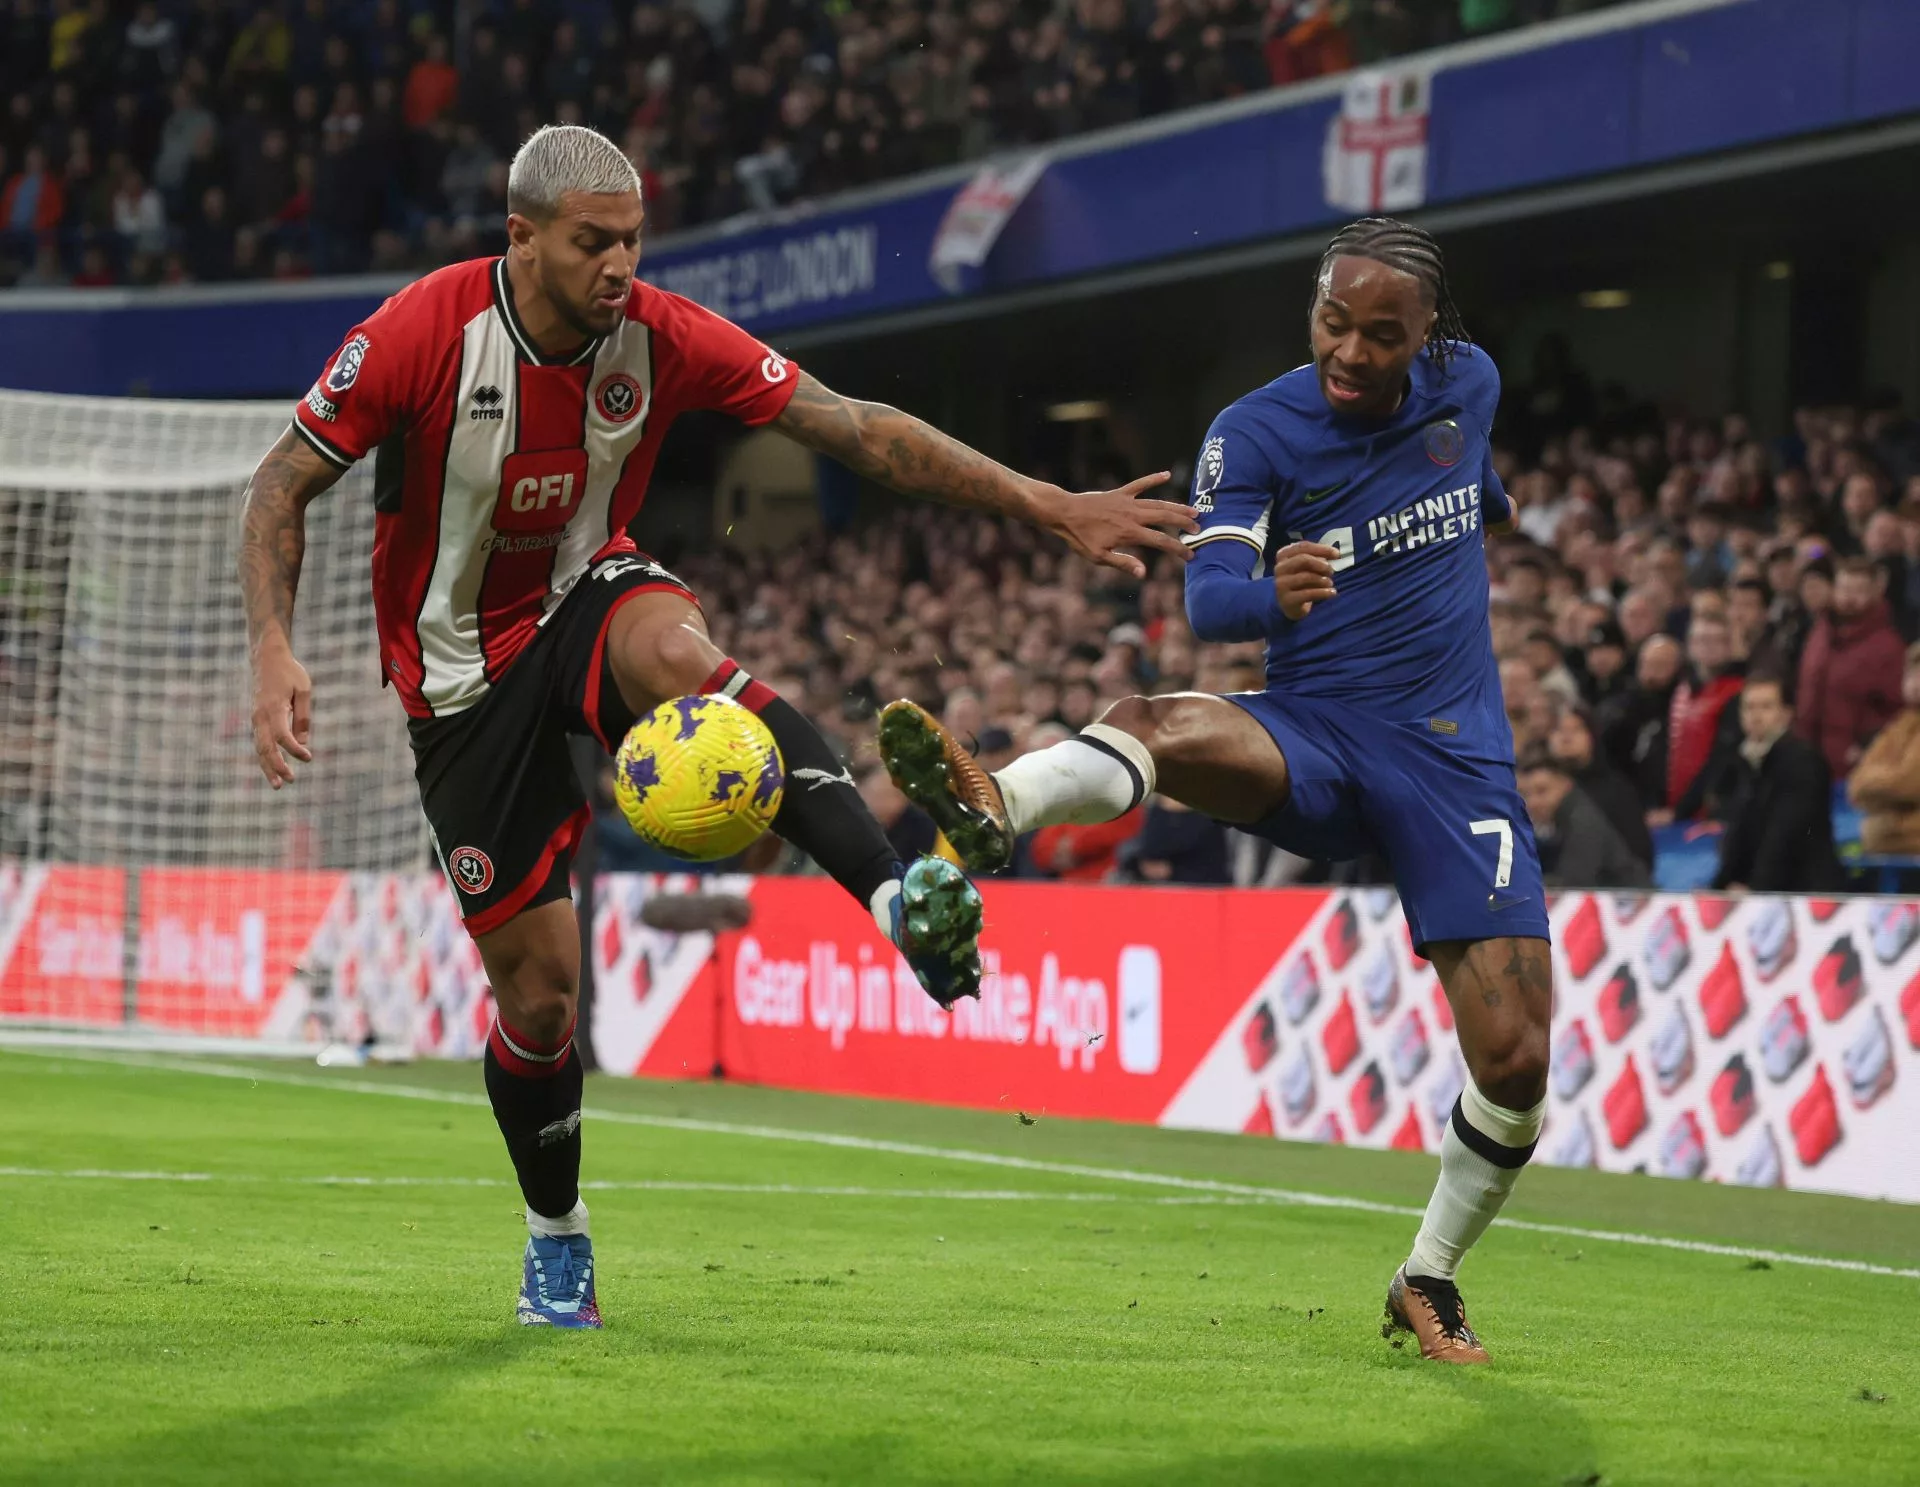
124, 698
126, 756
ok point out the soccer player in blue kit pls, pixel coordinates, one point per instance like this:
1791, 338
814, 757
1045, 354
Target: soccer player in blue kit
1368, 478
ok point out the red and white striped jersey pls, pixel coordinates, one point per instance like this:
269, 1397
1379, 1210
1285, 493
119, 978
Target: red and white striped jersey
500, 474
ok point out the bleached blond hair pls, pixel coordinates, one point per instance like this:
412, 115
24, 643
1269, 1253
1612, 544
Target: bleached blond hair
561, 158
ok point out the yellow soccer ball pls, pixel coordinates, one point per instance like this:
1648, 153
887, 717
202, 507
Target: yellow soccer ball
699, 777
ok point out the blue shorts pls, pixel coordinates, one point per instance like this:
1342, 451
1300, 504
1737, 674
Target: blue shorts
1451, 826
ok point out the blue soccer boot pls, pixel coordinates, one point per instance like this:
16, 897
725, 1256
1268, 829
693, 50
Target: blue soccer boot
556, 1287
936, 926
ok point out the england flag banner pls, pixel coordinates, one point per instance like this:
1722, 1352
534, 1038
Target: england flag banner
1376, 156
974, 221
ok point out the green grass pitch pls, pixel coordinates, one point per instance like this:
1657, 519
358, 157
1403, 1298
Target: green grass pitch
330, 1300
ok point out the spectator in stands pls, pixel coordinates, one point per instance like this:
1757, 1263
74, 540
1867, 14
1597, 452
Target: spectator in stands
1884, 542
1860, 498
1851, 668
1885, 784
190, 126
1711, 679
139, 219
1575, 748
1604, 672
909, 829
46, 272
208, 246
1748, 627
1779, 836
1709, 556
1084, 853
1579, 847
1177, 845
1633, 725
96, 269
1643, 614
433, 86
1542, 652
31, 206
1305, 38
151, 52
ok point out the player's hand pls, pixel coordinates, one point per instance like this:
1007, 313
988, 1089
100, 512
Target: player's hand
1100, 524
1303, 577
282, 713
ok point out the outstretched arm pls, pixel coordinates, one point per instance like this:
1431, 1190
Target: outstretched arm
273, 539
916, 459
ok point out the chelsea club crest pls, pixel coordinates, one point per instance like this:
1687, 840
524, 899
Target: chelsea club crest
1445, 442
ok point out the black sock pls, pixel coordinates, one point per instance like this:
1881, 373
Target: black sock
821, 813
535, 1094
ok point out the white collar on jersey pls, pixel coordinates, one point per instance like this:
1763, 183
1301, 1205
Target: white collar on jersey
524, 343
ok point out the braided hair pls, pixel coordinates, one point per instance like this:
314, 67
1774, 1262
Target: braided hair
1412, 251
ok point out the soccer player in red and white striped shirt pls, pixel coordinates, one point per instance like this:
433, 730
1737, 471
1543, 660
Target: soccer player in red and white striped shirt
514, 408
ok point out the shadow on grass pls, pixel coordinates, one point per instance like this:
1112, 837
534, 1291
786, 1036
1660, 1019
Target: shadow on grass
1478, 1428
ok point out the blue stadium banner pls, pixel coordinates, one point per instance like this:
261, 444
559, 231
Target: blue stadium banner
1601, 94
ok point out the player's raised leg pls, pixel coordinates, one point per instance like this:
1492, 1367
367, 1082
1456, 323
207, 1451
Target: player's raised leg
657, 647
1501, 992
1198, 749
534, 1083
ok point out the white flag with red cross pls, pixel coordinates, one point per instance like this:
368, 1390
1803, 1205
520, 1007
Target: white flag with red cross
1376, 155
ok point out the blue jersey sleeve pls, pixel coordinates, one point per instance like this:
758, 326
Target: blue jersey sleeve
1229, 596
1497, 508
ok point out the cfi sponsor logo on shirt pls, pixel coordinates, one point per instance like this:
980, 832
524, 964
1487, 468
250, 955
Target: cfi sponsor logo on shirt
320, 406
345, 370
774, 368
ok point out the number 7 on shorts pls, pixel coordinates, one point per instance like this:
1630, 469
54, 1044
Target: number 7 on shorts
1503, 869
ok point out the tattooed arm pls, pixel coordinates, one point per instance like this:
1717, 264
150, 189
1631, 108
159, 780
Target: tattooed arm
273, 539
916, 459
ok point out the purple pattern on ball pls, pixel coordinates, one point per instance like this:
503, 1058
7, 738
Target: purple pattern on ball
643, 773
768, 785
690, 710
725, 782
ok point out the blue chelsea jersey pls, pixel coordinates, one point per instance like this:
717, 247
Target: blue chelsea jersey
1405, 501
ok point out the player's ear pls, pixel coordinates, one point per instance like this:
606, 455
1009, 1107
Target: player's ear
520, 231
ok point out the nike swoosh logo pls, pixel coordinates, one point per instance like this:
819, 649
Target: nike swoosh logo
1496, 905
1311, 496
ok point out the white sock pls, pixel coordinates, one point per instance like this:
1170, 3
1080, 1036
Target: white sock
1473, 1183
574, 1221
1098, 774
881, 905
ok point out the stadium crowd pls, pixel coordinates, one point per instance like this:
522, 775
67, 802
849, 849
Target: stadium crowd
1693, 626
196, 140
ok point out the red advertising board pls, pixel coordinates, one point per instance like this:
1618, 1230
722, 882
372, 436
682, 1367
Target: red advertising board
1762, 1040
61, 943
1095, 1002
218, 947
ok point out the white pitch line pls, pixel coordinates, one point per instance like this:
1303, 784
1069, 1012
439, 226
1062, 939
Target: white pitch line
661, 1185
1290, 1196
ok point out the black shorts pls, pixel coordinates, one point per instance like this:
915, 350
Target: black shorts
497, 780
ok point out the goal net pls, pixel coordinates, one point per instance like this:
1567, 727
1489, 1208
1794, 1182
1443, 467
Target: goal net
126, 761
